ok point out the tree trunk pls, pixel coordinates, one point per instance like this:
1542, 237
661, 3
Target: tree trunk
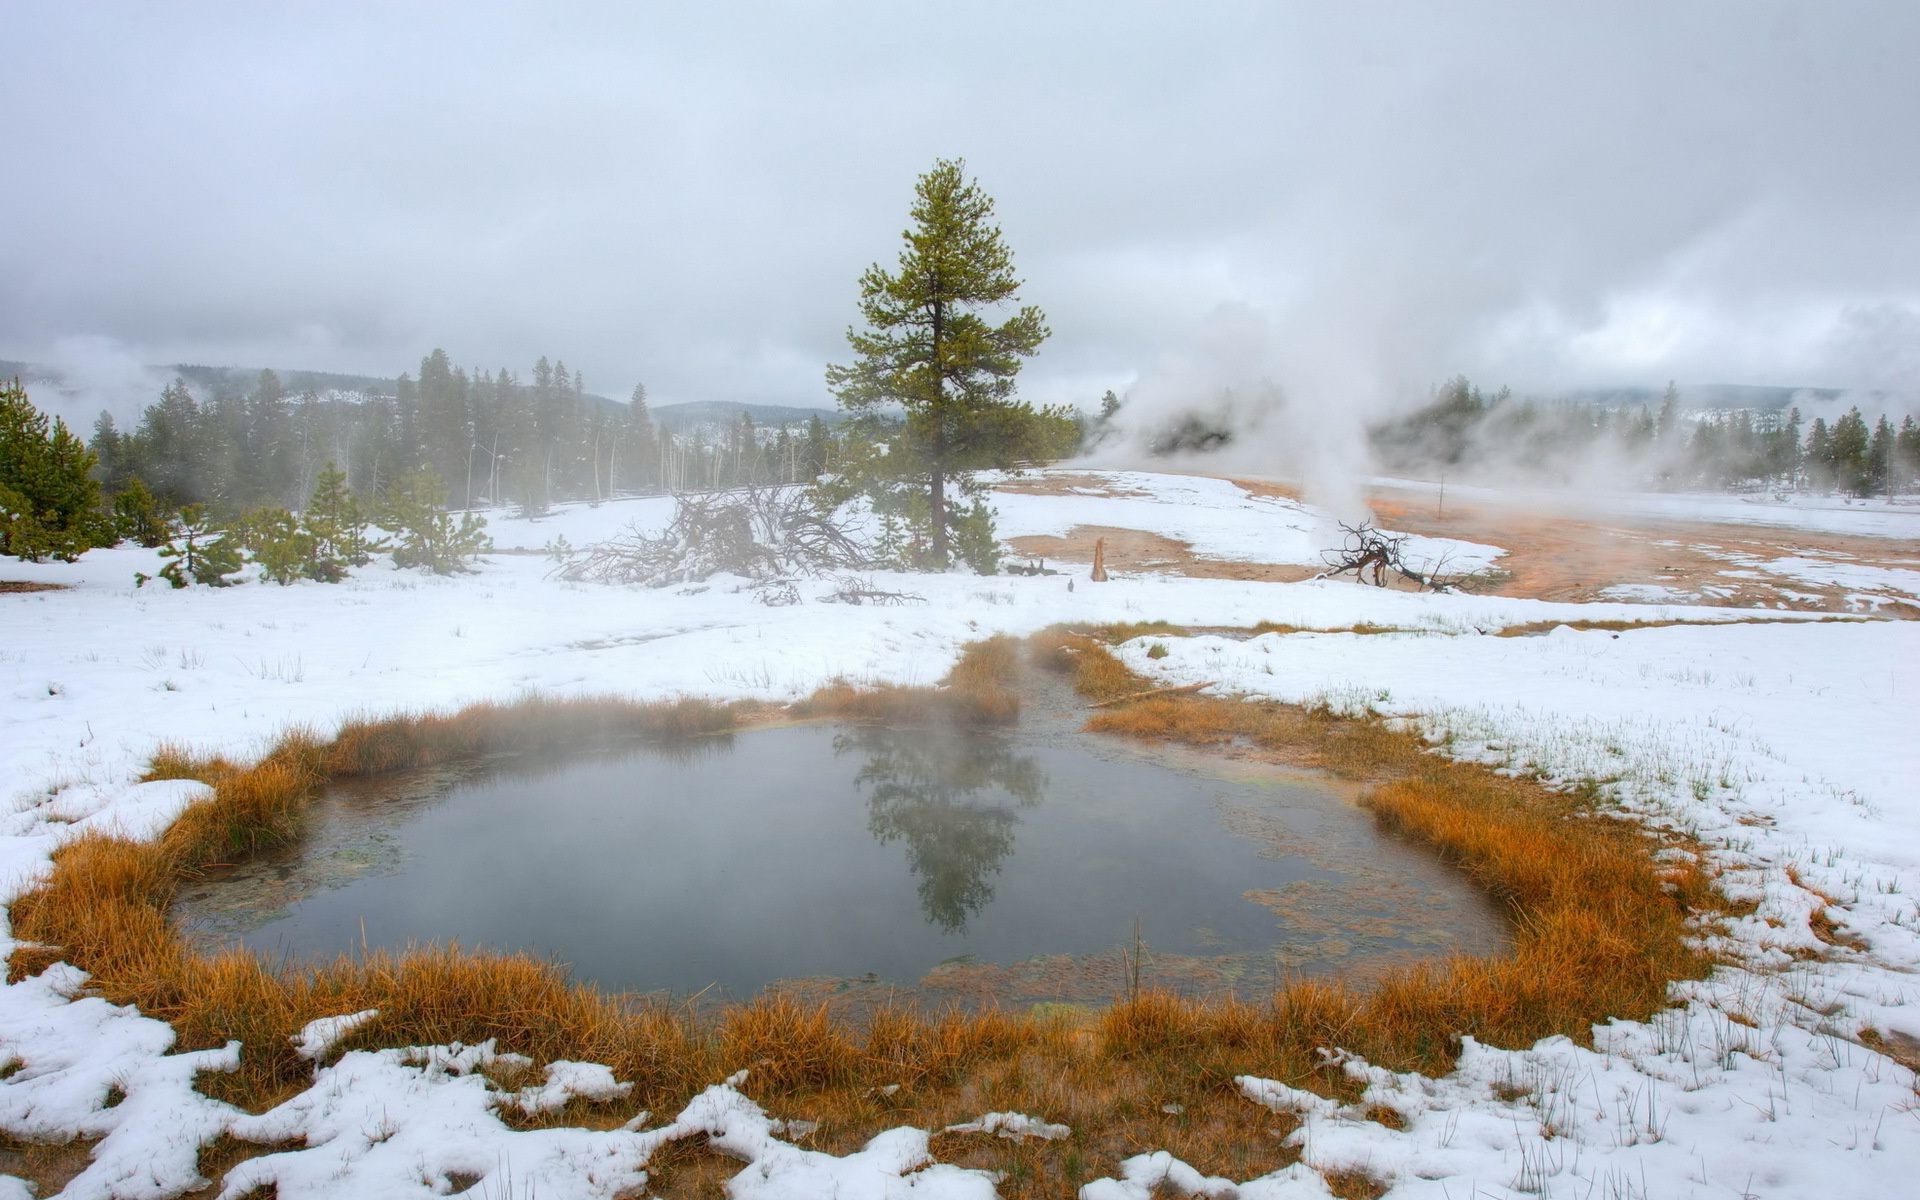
937, 497
937, 509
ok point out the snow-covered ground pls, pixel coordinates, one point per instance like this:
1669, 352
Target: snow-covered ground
1781, 746
1871, 517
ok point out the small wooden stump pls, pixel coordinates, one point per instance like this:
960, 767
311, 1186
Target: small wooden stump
1099, 560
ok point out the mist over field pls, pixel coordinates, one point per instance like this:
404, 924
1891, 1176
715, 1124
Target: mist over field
1330, 213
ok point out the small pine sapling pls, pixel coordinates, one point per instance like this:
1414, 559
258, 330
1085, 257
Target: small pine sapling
338, 529
425, 534
137, 516
200, 553
281, 545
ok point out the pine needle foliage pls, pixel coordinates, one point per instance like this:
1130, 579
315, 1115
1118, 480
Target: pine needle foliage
49, 500
137, 516
200, 552
425, 534
337, 527
931, 387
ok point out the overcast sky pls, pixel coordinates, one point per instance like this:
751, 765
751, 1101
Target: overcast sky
1349, 201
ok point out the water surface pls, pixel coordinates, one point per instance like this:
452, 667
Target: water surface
1001, 867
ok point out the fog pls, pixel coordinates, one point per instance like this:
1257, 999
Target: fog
1325, 211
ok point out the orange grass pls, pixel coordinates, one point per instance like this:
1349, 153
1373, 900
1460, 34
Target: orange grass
1598, 933
977, 692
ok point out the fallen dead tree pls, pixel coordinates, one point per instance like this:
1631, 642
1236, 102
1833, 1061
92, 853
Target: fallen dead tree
1366, 551
759, 533
854, 590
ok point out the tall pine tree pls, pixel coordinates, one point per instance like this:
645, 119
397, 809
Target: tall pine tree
929, 349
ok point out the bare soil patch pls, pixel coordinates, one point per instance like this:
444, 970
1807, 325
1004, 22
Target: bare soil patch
1139, 550
1067, 484
22, 585
1571, 558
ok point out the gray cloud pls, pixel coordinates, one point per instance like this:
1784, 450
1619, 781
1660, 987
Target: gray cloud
1366, 200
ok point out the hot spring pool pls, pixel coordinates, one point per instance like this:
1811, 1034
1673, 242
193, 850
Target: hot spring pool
958, 866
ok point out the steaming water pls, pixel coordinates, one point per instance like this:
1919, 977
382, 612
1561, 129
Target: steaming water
1007, 866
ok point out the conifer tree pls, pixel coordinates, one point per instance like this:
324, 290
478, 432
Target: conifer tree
49, 500
337, 527
928, 349
1906, 455
426, 535
200, 553
282, 547
137, 516
1848, 451
1880, 456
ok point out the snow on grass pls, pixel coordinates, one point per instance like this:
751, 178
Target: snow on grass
317, 1038
1787, 749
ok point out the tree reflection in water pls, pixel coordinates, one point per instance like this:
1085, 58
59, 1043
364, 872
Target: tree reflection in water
924, 788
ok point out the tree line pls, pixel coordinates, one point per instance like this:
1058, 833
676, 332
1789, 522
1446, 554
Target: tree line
1462, 426
490, 439
52, 506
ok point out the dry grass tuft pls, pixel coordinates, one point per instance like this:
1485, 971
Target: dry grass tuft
1364, 627
1097, 674
1599, 932
978, 692
372, 747
787, 1045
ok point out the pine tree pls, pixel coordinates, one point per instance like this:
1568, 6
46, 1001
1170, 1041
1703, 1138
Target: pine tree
1820, 455
282, 547
1906, 454
49, 499
200, 553
817, 449
1849, 453
137, 517
642, 451
928, 350
337, 529
426, 535
1880, 456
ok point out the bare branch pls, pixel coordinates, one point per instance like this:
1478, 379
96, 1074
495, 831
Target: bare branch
760, 533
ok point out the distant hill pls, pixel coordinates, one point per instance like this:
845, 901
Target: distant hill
210, 380
722, 412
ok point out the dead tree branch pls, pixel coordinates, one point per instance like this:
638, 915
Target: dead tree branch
759, 533
1371, 553
853, 590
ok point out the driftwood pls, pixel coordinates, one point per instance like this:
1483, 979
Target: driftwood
1182, 690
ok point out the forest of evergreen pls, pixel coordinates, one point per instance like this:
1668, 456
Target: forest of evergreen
489, 436
1668, 448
